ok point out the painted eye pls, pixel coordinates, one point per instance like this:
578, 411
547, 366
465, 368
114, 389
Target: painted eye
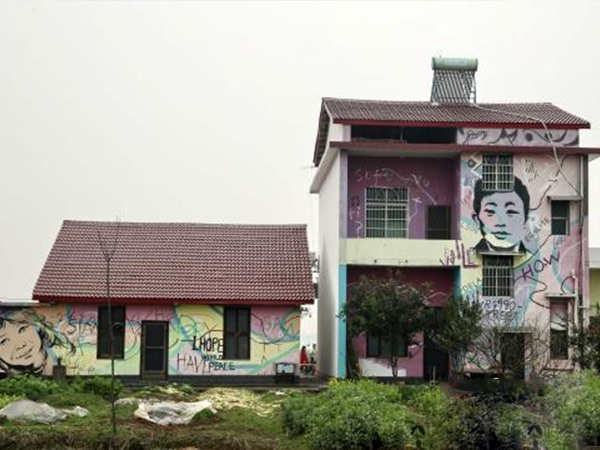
22, 329
3, 341
512, 212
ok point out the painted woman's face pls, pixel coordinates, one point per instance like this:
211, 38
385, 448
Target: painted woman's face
21, 346
502, 219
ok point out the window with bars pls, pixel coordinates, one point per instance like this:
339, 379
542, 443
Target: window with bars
438, 222
118, 323
560, 217
237, 333
381, 348
386, 212
497, 173
497, 276
559, 330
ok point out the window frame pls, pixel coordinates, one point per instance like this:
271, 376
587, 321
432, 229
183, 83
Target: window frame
237, 334
566, 219
379, 345
497, 176
119, 342
493, 271
447, 231
403, 206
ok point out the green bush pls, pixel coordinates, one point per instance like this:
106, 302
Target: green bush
433, 409
97, 385
31, 387
5, 399
350, 415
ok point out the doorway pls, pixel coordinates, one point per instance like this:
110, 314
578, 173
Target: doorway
155, 349
512, 354
435, 360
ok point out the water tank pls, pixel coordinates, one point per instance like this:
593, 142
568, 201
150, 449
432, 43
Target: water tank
468, 64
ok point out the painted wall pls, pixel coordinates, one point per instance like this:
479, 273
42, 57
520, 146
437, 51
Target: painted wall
550, 264
32, 339
329, 236
430, 181
517, 137
441, 281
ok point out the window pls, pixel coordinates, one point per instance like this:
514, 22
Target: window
438, 222
497, 173
559, 330
387, 212
560, 217
380, 348
237, 333
118, 320
497, 276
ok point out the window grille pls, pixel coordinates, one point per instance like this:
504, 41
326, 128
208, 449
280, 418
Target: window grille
560, 217
497, 276
237, 333
387, 212
497, 173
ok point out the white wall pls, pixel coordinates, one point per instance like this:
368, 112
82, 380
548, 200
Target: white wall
329, 204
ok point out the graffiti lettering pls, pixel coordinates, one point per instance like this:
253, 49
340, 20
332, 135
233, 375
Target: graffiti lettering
459, 253
532, 269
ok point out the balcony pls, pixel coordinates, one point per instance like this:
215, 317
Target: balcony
406, 253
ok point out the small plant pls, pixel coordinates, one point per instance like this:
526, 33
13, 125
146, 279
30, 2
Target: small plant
28, 386
98, 385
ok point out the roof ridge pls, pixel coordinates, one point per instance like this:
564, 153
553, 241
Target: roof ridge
185, 224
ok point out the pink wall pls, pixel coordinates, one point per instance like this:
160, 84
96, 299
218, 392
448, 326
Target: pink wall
430, 181
441, 281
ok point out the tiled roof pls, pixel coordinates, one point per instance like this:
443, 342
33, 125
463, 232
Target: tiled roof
179, 262
424, 113
342, 109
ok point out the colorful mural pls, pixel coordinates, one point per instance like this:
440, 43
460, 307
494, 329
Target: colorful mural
33, 339
519, 221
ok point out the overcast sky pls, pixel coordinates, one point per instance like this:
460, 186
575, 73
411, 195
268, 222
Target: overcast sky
206, 112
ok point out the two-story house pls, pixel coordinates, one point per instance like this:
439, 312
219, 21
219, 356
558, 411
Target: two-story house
484, 201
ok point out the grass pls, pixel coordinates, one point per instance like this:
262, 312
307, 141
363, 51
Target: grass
234, 428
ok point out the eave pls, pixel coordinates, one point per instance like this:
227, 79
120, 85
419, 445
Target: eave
424, 148
520, 125
165, 301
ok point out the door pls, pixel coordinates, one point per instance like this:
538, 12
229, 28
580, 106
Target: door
435, 360
512, 354
155, 349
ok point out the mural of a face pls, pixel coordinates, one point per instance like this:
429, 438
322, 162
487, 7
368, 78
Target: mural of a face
501, 216
21, 347
25, 339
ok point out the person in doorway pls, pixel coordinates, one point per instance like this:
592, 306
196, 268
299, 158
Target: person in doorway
313, 359
304, 360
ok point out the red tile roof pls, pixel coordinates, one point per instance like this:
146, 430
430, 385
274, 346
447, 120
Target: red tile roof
179, 262
379, 112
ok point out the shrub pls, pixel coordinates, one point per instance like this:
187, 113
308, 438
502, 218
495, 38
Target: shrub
434, 413
31, 387
5, 399
97, 385
350, 415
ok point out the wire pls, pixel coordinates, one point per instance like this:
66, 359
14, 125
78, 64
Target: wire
548, 135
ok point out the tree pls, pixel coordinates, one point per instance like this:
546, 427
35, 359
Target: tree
387, 309
108, 253
459, 328
585, 342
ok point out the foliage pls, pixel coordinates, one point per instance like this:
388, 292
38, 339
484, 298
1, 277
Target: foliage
28, 386
585, 342
433, 410
97, 385
460, 326
350, 415
385, 308
5, 399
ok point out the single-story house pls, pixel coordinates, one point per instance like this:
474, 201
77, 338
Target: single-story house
186, 299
